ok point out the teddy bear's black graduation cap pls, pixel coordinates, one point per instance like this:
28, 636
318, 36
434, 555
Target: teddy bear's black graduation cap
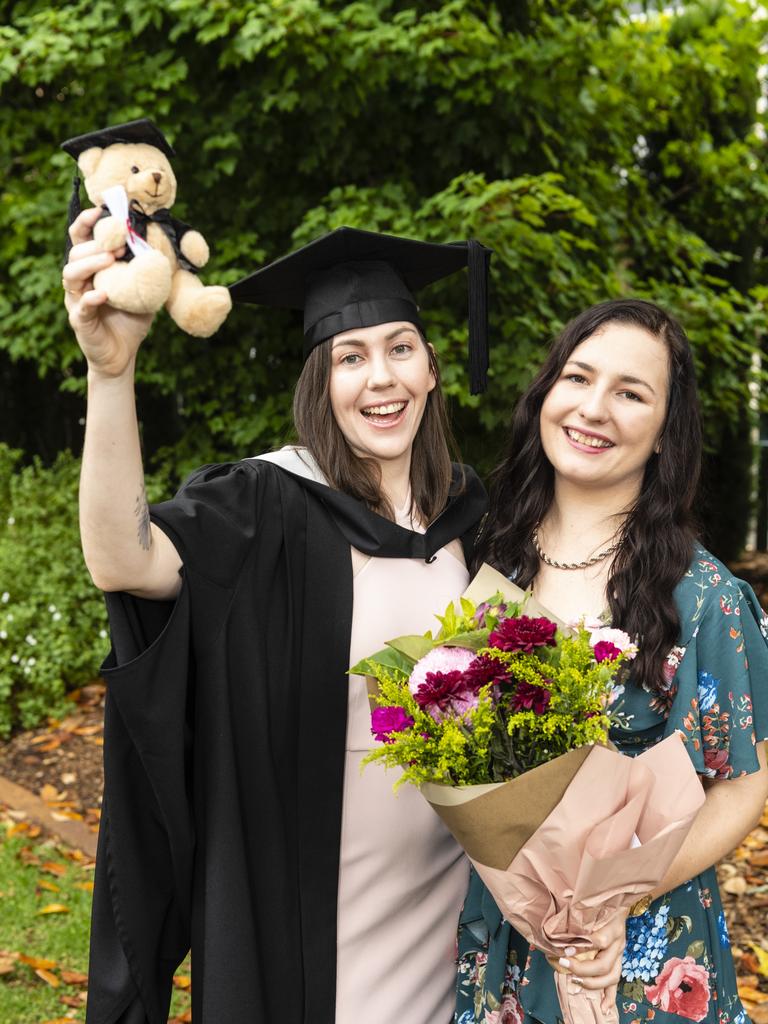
143, 131
351, 278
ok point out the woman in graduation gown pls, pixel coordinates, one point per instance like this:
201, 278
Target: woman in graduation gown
235, 819
593, 507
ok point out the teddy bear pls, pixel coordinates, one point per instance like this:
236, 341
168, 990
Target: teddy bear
127, 170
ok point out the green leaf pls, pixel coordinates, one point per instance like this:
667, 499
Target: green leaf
387, 659
412, 647
474, 640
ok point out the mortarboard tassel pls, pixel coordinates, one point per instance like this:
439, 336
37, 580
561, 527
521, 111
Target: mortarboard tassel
72, 211
478, 259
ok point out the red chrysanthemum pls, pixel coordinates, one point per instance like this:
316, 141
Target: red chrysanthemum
528, 697
483, 670
523, 634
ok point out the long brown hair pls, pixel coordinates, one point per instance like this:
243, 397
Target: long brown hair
657, 538
318, 430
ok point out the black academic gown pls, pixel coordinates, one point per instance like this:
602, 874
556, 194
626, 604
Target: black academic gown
224, 750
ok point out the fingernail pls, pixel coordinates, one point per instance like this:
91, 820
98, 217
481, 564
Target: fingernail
564, 961
570, 951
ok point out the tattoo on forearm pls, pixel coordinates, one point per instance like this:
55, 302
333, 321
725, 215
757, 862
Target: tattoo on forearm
141, 511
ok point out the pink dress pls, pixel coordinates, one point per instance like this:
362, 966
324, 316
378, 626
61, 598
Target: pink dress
403, 877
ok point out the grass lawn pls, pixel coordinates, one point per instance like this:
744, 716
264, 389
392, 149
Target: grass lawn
44, 955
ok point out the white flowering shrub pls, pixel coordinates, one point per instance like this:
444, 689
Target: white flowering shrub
53, 626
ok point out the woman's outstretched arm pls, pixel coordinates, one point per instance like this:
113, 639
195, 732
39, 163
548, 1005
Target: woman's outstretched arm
122, 549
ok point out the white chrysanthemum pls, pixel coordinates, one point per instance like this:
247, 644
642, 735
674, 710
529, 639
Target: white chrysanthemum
617, 637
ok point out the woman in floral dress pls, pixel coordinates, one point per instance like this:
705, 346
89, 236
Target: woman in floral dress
593, 509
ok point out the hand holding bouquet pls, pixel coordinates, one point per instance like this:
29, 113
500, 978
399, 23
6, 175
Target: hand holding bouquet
502, 720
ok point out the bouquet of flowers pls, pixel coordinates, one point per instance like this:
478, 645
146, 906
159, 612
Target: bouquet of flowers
501, 718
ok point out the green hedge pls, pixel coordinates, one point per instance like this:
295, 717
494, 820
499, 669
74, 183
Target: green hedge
53, 633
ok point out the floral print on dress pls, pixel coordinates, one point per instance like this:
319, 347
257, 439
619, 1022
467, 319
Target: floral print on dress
677, 964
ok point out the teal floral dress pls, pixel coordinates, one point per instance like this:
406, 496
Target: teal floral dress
677, 963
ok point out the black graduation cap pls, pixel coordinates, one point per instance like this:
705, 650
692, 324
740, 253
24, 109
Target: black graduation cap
142, 131
351, 278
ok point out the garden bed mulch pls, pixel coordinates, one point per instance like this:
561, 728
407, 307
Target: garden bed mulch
61, 763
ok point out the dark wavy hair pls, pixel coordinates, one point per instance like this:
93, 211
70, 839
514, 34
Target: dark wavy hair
317, 429
657, 538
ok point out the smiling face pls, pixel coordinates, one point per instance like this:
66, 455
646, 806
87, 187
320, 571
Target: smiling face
379, 383
603, 417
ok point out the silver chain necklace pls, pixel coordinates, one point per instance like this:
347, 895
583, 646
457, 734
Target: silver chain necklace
601, 556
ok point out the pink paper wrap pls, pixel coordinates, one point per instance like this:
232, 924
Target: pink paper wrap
607, 840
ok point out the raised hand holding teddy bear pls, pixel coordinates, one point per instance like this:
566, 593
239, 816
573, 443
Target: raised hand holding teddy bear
127, 170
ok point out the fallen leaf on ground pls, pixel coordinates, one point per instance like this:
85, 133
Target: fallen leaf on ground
54, 867
54, 908
74, 1001
85, 886
58, 1020
761, 956
183, 1018
736, 886
66, 816
47, 977
182, 980
751, 995
20, 826
48, 886
87, 730
37, 962
7, 962
49, 792
74, 977
50, 745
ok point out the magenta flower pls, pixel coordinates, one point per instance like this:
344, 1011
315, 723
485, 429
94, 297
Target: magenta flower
606, 651
528, 697
523, 634
445, 693
385, 721
486, 669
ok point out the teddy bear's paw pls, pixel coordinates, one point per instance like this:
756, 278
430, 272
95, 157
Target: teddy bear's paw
203, 312
109, 234
195, 248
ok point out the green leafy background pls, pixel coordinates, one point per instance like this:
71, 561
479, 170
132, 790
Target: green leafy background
600, 148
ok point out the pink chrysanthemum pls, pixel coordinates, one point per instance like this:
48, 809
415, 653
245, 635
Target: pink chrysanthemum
438, 684
617, 637
440, 659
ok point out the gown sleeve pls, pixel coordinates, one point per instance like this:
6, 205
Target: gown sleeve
721, 701
140, 928
212, 520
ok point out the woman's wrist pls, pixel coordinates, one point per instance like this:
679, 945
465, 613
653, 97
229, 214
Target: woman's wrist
98, 377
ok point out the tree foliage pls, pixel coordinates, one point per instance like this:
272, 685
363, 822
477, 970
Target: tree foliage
598, 151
